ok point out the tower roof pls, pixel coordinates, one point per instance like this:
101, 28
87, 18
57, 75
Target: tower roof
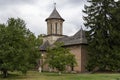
55, 15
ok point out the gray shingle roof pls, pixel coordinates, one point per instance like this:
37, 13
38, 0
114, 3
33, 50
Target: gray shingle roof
78, 38
44, 46
80, 34
54, 15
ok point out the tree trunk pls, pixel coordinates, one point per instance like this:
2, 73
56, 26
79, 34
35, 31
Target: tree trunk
72, 67
4, 73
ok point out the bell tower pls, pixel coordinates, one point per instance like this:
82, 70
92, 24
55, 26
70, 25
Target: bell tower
54, 27
54, 23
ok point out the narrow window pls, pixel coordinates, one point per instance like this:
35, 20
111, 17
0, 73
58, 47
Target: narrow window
60, 28
50, 28
60, 24
56, 28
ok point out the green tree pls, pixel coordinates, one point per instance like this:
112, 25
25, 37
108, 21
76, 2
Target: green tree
34, 43
103, 19
115, 37
59, 57
17, 50
39, 40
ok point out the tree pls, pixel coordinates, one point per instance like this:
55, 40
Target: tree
39, 40
34, 43
17, 49
115, 37
59, 57
103, 37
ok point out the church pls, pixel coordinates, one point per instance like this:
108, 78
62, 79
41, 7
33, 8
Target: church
76, 44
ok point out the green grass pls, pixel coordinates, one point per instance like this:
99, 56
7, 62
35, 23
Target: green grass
33, 75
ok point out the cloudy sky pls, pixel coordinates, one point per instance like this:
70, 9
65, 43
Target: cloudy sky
34, 13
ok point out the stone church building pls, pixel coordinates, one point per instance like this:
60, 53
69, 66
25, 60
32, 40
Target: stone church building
76, 43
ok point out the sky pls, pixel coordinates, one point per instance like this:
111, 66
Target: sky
34, 13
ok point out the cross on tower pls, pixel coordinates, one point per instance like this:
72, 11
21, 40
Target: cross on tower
54, 5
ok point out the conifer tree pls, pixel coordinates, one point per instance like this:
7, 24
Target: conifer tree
103, 19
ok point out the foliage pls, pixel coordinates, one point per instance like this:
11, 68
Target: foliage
34, 48
17, 47
103, 19
59, 57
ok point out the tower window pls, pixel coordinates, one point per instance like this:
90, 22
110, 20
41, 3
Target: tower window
61, 24
60, 28
56, 28
50, 28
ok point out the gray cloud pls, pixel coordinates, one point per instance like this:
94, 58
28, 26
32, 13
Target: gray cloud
34, 12
72, 3
77, 1
11, 2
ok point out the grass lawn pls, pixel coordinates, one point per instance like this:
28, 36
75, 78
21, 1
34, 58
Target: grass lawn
33, 75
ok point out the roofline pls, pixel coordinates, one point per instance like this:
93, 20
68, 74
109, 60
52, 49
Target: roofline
75, 44
68, 46
54, 18
53, 35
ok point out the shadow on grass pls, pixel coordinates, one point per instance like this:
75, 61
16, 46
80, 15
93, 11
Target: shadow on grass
51, 74
56, 74
12, 76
